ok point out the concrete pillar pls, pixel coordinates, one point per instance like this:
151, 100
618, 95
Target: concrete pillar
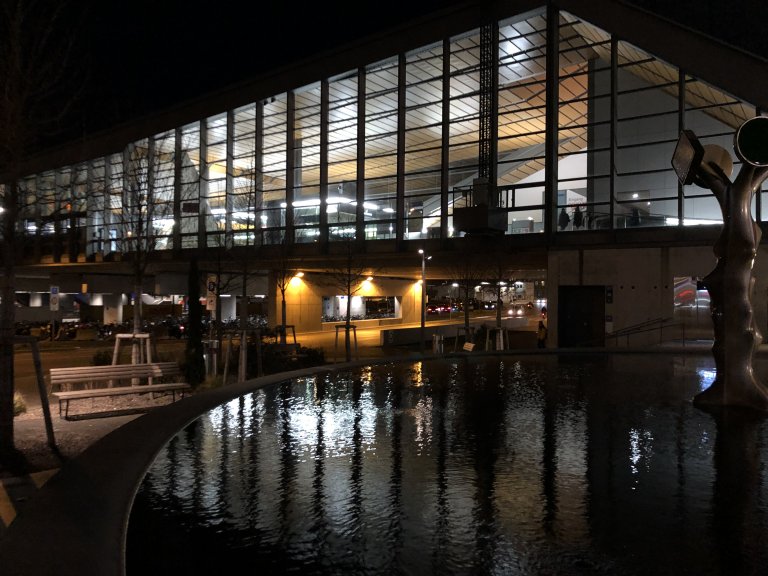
113, 308
228, 307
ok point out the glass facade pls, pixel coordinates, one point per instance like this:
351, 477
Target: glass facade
522, 122
390, 150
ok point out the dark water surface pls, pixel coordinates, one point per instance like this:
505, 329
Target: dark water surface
529, 465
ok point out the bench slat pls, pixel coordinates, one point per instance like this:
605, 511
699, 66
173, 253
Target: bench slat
152, 365
140, 389
111, 373
113, 366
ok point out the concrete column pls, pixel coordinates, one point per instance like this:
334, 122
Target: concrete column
228, 307
113, 308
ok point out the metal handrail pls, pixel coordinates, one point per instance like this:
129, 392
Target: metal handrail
647, 326
640, 326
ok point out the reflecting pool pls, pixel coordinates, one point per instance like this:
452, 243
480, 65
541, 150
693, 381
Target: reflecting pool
530, 465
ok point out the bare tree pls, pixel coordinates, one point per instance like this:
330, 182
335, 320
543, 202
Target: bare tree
497, 274
36, 81
284, 273
347, 275
195, 364
467, 270
248, 199
144, 209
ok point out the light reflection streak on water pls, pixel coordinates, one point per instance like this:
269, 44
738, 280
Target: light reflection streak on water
514, 467
423, 421
640, 450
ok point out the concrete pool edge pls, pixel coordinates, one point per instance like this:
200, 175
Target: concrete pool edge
77, 523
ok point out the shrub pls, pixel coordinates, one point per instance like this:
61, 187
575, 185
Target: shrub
19, 404
276, 358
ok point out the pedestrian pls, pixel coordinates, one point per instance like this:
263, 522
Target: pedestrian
578, 217
563, 219
541, 335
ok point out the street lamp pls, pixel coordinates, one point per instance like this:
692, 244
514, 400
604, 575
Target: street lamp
424, 259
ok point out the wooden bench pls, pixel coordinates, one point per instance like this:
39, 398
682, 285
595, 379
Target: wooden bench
93, 379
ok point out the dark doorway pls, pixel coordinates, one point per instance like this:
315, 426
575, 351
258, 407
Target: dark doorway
581, 316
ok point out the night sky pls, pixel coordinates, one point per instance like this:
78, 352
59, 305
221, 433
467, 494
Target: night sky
151, 54
148, 55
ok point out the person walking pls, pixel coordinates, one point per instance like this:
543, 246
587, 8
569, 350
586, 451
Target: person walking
563, 219
541, 335
578, 217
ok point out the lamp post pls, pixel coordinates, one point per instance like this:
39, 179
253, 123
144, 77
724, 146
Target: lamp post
424, 259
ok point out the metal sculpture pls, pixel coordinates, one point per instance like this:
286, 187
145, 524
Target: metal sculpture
731, 283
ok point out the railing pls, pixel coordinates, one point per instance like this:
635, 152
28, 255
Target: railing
647, 326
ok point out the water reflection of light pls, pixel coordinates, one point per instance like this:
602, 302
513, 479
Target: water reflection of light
358, 492
706, 377
423, 422
241, 412
310, 389
640, 448
312, 415
417, 376
216, 416
302, 423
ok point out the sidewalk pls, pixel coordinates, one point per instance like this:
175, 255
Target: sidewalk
42, 461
